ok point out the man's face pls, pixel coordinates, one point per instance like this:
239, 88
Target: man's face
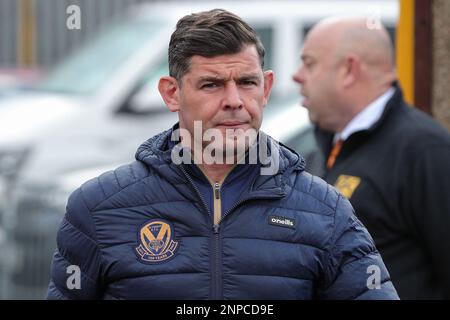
319, 82
224, 92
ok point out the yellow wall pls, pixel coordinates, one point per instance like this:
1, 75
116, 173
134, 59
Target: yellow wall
26, 34
405, 49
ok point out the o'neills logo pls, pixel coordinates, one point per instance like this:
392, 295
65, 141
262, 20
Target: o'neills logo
282, 222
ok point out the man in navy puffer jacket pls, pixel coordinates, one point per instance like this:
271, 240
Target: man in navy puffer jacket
161, 228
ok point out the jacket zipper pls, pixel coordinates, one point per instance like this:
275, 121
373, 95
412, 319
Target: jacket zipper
217, 271
217, 203
218, 217
215, 274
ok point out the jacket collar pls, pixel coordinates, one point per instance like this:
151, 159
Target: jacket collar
156, 153
324, 138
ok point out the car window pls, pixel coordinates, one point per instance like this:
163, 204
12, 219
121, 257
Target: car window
152, 76
90, 67
146, 97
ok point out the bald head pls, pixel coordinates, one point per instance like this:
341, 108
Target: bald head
343, 36
347, 63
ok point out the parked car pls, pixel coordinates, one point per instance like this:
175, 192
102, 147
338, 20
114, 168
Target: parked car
92, 112
14, 80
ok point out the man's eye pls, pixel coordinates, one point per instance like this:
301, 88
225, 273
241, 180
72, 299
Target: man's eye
209, 85
248, 83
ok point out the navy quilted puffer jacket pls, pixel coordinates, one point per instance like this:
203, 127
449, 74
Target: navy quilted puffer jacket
144, 231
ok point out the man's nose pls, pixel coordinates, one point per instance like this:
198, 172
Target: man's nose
299, 76
232, 96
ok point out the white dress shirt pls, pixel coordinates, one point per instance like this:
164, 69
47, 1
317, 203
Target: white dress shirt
367, 117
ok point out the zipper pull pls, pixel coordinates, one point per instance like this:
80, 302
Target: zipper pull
216, 228
217, 190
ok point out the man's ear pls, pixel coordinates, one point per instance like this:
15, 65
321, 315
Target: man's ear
351, 70
268, 82
169, 91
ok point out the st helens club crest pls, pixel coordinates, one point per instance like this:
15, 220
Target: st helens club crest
156, 241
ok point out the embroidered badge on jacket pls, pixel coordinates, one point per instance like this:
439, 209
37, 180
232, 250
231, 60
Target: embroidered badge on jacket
347, 185
156, 240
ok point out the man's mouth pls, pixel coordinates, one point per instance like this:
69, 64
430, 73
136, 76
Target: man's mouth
305, 103
304, 99
232, 124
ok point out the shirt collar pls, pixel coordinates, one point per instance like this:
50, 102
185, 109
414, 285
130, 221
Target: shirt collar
367, 117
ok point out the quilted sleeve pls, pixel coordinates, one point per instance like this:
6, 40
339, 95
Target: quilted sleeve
75, 272
355, 269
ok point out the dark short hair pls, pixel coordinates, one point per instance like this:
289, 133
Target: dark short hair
209, 34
